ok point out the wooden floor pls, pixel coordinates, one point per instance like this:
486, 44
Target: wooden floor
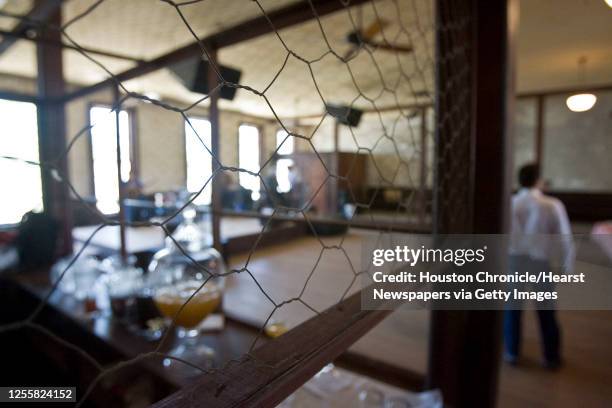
282, 272
585, 380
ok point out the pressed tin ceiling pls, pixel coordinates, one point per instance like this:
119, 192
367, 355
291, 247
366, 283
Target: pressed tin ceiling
552, 36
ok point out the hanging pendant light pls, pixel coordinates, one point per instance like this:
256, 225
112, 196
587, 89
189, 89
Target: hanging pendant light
581, 102
609, 3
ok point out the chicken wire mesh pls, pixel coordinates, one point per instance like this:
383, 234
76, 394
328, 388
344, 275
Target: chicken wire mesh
397, 139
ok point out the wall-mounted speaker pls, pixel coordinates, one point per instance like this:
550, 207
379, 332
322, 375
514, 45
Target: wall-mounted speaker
344, 114
193, 74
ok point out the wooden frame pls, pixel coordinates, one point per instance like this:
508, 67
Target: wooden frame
52, 132
269, 374
465, 346
19, 97
42, 10
63, 45
215, 146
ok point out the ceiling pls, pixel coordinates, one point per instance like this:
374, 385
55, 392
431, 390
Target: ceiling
146, 29
553, 35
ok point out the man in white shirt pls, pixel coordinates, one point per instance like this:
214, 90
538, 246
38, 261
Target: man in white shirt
541, 239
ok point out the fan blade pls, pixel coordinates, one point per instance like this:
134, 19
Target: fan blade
389, 47
373, 29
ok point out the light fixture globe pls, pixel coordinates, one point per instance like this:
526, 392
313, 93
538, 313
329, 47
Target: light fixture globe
581, 102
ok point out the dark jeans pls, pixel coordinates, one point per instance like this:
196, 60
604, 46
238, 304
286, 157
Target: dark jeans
549, 328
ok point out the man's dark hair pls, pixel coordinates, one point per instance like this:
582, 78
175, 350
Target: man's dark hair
528, 175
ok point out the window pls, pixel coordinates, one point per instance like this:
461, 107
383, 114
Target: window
104, 155
248, 157
198, 159
20, 182
284, 164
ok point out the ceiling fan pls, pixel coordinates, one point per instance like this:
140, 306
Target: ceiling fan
367, 37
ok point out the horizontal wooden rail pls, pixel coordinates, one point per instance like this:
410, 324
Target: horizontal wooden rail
19, 97
275, 370
397, 226
61, 44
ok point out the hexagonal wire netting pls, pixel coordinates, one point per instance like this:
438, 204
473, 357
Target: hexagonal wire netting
407, 131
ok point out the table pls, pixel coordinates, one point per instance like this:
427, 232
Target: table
104, 336
151, 238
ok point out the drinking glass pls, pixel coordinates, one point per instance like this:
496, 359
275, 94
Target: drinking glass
187, 291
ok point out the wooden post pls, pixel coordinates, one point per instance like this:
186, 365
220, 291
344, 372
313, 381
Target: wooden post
423, 169
213, 116
465, 345
41, 11
336, 136
52, 131
117, 107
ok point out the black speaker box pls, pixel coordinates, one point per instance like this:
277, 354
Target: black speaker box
193, 74
345, 114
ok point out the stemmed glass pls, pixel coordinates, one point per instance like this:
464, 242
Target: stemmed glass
187, 293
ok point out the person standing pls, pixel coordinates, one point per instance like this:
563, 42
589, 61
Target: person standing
540, 233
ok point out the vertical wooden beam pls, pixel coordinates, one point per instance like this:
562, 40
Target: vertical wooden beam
539, 136
52, 131
465, 346
494, 40
334, 166
336, 136
213, 113
120, 186
453, 153
423, 169
41, 11
134, 146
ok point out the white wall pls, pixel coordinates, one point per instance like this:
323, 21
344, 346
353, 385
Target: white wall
577, 146
393, 140
160, 142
